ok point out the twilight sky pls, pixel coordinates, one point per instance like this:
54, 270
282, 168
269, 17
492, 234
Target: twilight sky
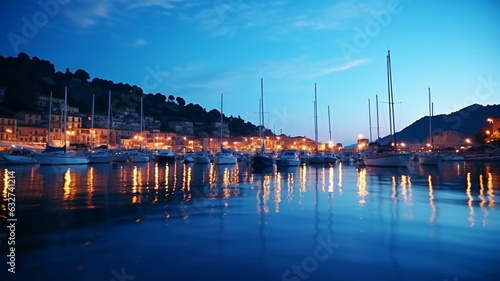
200, 49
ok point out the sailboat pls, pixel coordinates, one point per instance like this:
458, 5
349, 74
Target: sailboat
225, 156
261, 159
58, 155
329, 157
317, 158
390, 157
139, 156
100, 155
430, 158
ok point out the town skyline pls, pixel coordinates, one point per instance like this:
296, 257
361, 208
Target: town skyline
200, 49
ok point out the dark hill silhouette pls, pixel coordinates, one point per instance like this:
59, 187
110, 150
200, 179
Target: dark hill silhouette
25, 79
467, 121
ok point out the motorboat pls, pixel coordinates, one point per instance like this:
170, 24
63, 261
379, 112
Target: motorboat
201, 157
225, 157
19, 156
188, 157
165, 155
329, 157
288, 158
100, 156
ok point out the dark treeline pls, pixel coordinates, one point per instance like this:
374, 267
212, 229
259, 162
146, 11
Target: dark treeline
25, 78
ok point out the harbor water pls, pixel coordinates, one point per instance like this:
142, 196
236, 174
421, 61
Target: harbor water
154, 221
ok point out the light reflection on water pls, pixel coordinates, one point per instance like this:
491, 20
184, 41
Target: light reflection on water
391, 222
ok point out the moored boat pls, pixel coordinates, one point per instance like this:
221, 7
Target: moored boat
288, 158
388, 159
165, 156
201, 157
58, 156
19, 156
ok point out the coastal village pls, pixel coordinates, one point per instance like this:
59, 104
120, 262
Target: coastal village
31, 129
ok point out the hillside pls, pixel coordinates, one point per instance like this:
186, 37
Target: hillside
467, 121
25, 78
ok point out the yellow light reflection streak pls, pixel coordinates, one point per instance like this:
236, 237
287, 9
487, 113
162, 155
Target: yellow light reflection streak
267, 191
156, 177
90, 187
303, 178
393, 185
490, 192
136, 181
481, 192
340, 178
361, 182
483, 201
331, 180
5, 184
406, 189
433, 216
472, 221
66, 186
277, 195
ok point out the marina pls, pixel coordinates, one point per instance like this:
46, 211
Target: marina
186, 221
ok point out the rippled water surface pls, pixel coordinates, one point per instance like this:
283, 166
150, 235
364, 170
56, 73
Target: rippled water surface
205, 222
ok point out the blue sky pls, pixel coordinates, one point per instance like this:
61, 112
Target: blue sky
200, 49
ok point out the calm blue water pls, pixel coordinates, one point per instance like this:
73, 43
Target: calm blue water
204, 222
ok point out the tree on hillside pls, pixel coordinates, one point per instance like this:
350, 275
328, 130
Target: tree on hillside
180, 101
81, 75
171, 98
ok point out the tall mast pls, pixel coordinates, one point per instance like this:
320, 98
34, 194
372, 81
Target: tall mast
378, 127
109, 118
50, 118
262, 113
370, 119
329, 126
221, 117
316, 117
65, 112
391, 101
430, 120
92, 122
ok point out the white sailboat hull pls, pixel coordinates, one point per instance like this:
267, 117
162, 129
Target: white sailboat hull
11, 159
60, 158
388, 160
100, 158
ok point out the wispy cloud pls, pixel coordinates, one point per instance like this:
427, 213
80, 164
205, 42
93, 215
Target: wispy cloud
140, 42
87, 14
328, 67
91, 13
165, 4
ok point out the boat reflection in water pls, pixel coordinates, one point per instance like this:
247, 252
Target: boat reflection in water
86, 220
